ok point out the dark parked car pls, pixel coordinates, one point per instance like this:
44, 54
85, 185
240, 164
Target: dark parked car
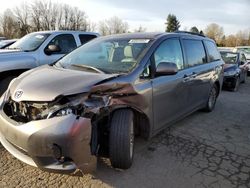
235, 69
93, 101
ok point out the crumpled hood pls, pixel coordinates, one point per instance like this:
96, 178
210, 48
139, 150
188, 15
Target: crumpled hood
46, 83
229, 67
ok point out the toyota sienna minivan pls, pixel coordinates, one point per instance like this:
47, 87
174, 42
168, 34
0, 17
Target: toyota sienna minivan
93, 101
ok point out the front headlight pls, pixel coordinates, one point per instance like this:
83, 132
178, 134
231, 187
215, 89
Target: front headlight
63, 111
229, 73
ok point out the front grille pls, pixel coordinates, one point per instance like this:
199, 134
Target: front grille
25, 111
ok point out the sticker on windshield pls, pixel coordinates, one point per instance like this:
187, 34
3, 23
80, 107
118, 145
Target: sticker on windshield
138, 41
39, 36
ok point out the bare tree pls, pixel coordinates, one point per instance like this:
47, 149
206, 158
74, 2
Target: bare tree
22, 15
242, 38
36, 16
72, 18
215, 32
9, 24
113, 25
231, 41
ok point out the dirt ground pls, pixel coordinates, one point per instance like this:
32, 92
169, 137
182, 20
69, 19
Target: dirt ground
202, 150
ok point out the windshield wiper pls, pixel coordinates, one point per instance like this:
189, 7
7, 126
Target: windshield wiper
86, 67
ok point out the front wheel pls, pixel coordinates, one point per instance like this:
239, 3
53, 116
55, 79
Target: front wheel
121, 139
212, 99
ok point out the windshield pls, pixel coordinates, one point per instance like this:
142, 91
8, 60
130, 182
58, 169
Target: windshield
229, 57
29, 42
108, 56
3, 43
244, 50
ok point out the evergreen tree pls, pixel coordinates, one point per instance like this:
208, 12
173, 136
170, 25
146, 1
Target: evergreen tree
172, 23
194, 30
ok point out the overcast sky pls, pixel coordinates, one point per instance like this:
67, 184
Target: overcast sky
233, 15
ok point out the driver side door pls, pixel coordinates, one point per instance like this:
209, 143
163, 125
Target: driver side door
170, 93
66, 43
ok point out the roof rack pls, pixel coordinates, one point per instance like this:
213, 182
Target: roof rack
191, 33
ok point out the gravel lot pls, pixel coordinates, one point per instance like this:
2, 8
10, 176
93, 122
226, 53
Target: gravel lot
203, 150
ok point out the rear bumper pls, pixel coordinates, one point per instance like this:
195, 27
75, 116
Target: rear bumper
60, 144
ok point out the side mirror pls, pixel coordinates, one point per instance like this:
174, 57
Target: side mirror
52, 49
166, 68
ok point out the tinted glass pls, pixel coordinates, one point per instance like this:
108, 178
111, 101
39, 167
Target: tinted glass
213, 53
66, 42
195, 52
243, 58
169, 51
86, 38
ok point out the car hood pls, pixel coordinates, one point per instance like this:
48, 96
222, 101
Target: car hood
230, 67
46, 83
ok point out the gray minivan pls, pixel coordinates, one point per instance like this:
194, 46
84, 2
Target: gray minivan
93, 101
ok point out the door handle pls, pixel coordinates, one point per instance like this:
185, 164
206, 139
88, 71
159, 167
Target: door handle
188, 77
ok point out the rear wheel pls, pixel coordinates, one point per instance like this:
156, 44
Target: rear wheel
121, 139
5, 83
212, 99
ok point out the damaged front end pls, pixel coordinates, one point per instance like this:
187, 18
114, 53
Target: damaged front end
54, 136
67, 133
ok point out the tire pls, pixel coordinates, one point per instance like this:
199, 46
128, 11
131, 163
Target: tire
5, 83
212, 99
236, 85
121, 139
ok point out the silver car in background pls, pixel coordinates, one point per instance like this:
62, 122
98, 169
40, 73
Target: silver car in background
38, 48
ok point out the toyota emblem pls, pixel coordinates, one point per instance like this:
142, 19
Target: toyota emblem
18, 94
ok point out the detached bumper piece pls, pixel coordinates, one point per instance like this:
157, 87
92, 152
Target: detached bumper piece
60, 144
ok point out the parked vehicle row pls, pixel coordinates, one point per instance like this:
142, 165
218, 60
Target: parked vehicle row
36, 49
235, 69
93, 101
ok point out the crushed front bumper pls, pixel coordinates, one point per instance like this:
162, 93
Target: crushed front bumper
60, 144
229, 81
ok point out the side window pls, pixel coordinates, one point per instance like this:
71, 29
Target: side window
213, 54
146, 74
169, 51
243, 58
195, 52
86, 38
66, 43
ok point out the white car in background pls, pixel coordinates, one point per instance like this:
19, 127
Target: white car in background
246, 51
243, 49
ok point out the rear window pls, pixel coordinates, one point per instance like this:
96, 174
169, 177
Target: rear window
195, 52
213, 54
86, 38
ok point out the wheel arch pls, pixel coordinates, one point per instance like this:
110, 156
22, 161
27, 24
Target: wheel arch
141, 120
